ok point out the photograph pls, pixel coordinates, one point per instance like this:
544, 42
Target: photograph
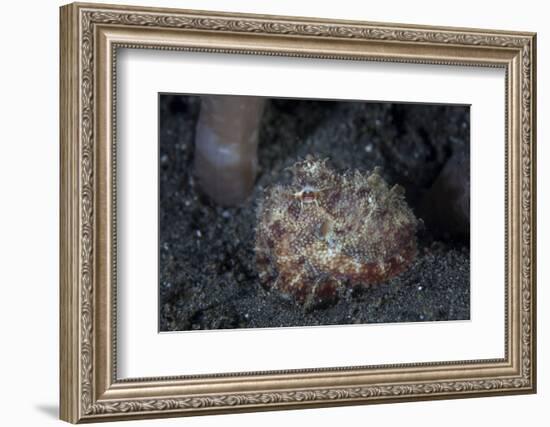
279, 212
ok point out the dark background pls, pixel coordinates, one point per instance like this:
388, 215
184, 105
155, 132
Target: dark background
207, 276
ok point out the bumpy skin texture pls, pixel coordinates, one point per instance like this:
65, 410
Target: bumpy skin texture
327, 231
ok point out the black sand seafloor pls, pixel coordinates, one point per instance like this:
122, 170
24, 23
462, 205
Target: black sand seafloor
207, 273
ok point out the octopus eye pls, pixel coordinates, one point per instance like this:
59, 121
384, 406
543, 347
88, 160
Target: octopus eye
308, 196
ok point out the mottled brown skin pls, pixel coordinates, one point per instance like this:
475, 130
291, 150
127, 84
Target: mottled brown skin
326, 231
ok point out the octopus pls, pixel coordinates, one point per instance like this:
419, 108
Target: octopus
326, 232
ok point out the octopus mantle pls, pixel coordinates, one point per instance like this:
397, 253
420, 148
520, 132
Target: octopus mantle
326, 231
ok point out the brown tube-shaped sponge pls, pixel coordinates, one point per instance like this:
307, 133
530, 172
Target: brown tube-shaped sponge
226, 146
446, 206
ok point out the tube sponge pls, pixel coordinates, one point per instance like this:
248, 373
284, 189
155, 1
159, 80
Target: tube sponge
226, 145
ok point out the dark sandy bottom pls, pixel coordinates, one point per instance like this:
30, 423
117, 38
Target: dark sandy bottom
208, 278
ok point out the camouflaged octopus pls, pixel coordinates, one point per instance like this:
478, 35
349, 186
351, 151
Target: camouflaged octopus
325, 232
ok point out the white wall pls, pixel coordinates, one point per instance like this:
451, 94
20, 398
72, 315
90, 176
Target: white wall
29, 169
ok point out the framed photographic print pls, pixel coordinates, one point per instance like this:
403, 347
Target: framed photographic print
266, 212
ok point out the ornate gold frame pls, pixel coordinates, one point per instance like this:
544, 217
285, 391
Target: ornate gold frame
90, 35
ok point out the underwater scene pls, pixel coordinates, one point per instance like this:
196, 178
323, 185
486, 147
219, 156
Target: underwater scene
297, 212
